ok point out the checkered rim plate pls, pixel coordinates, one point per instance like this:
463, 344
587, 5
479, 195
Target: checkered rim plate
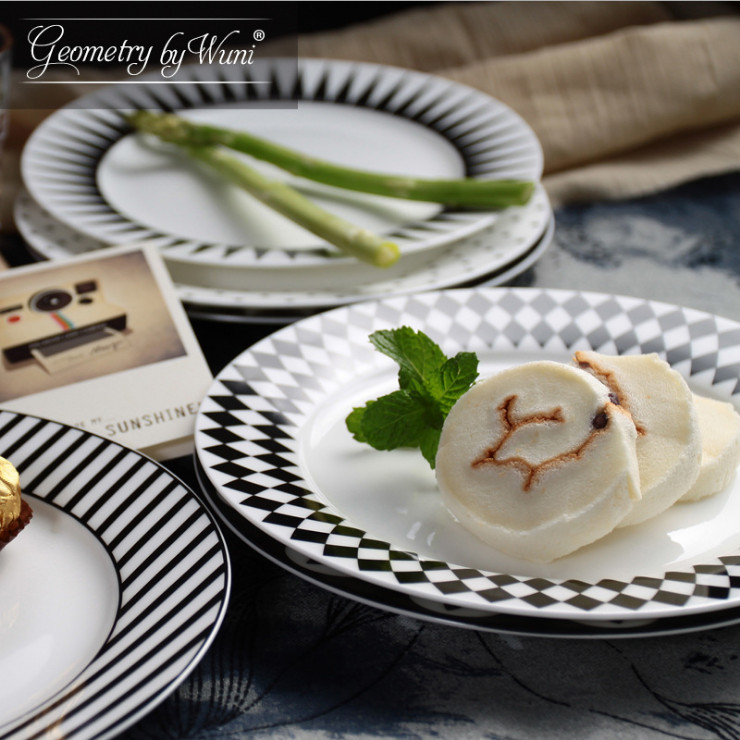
247, 436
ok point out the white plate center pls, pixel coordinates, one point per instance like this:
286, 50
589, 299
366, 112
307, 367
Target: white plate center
161, 189
59, 596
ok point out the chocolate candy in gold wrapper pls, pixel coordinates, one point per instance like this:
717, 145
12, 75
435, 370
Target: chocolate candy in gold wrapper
14, 512
10, 493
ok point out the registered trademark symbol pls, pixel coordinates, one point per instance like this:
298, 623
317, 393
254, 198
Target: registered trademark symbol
258, 35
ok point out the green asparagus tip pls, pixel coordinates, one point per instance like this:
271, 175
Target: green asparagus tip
136, 118
527, 192
167, 126
388, 254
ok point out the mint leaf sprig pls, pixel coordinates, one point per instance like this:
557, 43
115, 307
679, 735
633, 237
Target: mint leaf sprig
429, 384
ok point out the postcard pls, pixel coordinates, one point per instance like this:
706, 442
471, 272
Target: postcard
102, 342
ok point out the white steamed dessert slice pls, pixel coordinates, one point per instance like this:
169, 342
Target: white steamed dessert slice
719, 425
662, 408
538, 461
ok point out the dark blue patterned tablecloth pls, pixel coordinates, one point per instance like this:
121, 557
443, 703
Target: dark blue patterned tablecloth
294, 661
681, 246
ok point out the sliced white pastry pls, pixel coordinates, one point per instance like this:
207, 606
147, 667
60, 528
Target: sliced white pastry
662, 408
538, 461
719, 425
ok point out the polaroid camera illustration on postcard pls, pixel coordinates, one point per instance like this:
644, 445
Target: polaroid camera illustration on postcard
60, 326
101, 341
67, 322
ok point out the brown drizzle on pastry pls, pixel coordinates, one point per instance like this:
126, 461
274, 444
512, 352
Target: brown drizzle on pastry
531, 471
608, 379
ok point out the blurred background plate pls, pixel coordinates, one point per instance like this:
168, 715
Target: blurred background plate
285, 307
83, 165
515, 241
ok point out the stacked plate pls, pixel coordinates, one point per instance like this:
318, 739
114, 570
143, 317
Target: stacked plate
283, 472
90, 183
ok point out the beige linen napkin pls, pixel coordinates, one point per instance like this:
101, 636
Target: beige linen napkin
627, 98
630, 112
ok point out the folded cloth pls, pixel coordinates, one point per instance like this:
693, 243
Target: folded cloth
644, 95
440, 36
627, 98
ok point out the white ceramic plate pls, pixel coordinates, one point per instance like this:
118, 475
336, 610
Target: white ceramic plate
87, 169
113, 591
271, 439
511, 244
321, 574
197, 303
47, 237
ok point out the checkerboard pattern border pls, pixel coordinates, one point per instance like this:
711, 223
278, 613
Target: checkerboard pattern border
247, 431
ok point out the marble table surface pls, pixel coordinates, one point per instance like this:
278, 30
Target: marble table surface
293, 661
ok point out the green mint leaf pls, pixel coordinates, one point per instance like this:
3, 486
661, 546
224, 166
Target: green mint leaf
455, 378
429, 385
428, 445
418, 356
354, 422
397, 419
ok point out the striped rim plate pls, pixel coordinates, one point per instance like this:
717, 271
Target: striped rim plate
168, 578
82, 165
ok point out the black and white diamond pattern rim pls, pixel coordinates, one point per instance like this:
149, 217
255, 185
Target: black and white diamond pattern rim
248, 427
170, 559
60, 161
440, 613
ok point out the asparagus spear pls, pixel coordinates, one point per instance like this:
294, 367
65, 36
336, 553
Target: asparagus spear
360, 243
467, 192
